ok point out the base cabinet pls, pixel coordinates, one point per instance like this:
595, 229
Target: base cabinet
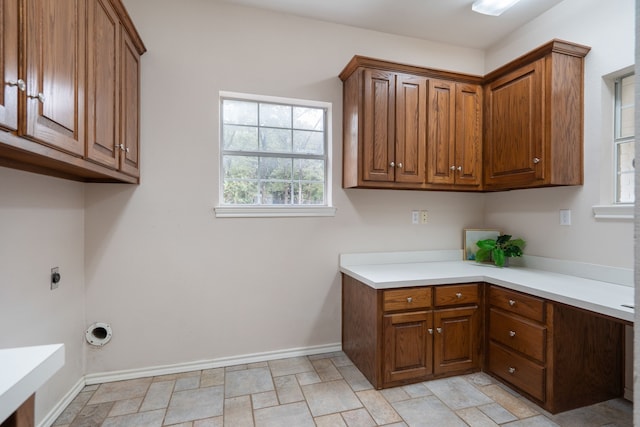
559, 356
407, 335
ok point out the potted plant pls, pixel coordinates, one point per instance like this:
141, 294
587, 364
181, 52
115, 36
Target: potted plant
499, 250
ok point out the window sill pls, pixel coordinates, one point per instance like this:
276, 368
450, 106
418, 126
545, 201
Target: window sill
273, 212
614, 212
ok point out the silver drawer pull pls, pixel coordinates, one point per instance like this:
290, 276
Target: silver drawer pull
512, 302
512, 333
409, 299
439, 330
430, 331
458, 295
512, 370
20, 84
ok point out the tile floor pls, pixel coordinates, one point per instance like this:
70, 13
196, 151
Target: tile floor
322, 390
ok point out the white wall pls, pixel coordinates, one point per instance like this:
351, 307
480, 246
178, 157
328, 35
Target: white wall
42, 226
609, 28
179, 285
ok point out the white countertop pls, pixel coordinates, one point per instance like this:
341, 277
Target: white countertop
24, 370
594, 295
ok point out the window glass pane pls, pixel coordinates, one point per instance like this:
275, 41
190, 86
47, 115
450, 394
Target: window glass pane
308, 170
241, 167
275, 115
276, 193
308, 142
240, 192
627, 92
239, 138
627, 122
309, 193
275, 140
626, 154
275, 168
308, 118
239, 112
626, 188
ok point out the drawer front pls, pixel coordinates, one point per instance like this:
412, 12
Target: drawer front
515, 302
456, 295
406, 298
519, 334
514, 369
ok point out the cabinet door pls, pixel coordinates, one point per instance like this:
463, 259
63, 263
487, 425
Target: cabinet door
55, 64
441, 140
102, 83
411, 129
468, 156
9, 64
513, 150
378, 151
457, 340
130, 107
407, 346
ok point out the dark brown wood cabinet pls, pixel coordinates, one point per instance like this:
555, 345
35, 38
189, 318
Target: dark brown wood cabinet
521, 126
454, 143
392, 110
406, 335
559, 356
78, 94
112, 91
534, 119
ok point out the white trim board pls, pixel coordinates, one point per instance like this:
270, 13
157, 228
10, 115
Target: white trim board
129, 374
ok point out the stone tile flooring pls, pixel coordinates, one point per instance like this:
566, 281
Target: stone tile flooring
323, 390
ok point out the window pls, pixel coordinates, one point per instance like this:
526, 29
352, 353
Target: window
274, 156
624, 139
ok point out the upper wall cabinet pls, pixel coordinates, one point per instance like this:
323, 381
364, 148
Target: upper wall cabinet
534, 119
518, 127
69, 108
402, 123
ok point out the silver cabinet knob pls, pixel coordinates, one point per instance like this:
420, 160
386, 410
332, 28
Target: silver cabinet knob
22, 86
536, 160
430, 331
459, 295
439, 330
122, 147
512, 333
512, 370
40, 97
452, 168
512, 302
410, 299
392, 164
459, 168
399, 165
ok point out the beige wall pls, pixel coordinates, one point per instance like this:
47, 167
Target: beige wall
42, 226
178, 285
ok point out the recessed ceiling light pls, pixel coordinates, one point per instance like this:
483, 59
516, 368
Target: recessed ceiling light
492, 7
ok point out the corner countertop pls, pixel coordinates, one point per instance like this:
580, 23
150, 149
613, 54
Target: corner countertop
23, 371
594, 295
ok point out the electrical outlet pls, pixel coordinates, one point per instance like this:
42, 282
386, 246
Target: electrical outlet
55, 278
424, 217
415, 217
565, 216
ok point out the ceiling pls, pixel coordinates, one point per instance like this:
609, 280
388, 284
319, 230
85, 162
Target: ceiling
448, 21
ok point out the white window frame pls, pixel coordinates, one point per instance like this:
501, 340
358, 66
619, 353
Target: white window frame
223, 210
609, 209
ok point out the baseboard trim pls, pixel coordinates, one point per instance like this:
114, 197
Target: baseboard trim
129, 374
53, 415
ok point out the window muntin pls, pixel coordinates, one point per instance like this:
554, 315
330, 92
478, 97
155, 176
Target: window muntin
624, 139
273, 152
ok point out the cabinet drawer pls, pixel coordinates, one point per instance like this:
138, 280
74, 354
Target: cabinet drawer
519, 334
456, 295
406, 298
522, 373
515, 302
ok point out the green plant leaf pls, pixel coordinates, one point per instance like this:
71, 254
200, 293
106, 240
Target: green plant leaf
486, 244
498, 256
483, 254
